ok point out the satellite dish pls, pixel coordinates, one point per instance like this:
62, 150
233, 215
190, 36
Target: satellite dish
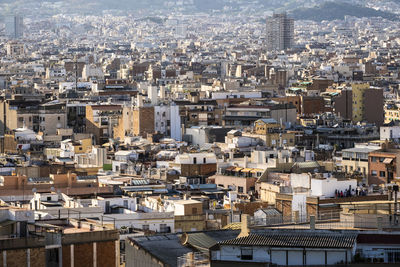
34, 190
52, 189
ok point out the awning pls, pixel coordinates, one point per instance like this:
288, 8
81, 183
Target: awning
388, 161
256, 170
7, 223
237, 169
246, 170
230, 168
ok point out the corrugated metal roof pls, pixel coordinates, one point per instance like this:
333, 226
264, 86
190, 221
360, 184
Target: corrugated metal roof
39, 179
139, 182
295, 239
200, 241
87, 177
306, 165
271, 212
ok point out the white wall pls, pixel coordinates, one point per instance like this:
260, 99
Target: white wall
188, 158
299, 203
300, 180
176, 132
278, 256
225, 95
326, 187
198, 135
385, 132
116, 201
137, 220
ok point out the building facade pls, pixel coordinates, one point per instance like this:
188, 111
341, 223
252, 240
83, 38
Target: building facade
280, 32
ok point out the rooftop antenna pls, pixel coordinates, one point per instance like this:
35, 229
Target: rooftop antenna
76, 72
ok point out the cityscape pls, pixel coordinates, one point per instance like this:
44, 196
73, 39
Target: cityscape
199, 133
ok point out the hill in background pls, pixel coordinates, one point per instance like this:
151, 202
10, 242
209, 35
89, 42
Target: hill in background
334, 10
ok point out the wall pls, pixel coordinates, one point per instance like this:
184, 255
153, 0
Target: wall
176, 132
280, 256
85, 254
36, 257
137, 257
198, 169
267, 192
390, 132
300, 180
137, 220
189, 223
343, 104
373, 103
143, 121
326, 187
236, 182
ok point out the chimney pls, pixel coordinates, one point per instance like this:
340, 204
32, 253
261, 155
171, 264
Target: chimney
152, 94
385, 145
139, 101
245, 231
245, 161
162, 92
312, 222
379, 223
69, 179
296, 216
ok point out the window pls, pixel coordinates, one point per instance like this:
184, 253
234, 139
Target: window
374, 173
204, 160
194, 210
58, 118
246, 253
373, 159
240, 189
145, 227
382, 174
393, 256
164, 228
194, 160
381, 159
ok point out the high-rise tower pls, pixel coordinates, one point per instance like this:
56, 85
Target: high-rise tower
280, 32
14, 25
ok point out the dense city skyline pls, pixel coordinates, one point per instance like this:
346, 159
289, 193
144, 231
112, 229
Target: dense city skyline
199, 133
